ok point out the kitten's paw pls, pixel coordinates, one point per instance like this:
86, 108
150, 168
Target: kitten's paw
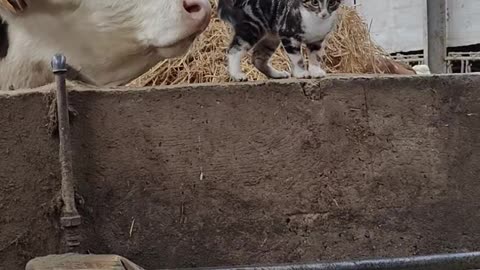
301, 74
277, 74
317, 72
240, 77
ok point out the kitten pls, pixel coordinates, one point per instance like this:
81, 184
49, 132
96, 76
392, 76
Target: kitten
262, 25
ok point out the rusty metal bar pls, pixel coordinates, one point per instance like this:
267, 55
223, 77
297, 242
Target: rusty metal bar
456, 261
70, 218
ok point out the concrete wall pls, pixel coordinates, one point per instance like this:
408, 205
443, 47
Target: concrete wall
402, 25
251, 173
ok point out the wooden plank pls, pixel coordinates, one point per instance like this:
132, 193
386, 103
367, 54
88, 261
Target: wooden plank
72, 261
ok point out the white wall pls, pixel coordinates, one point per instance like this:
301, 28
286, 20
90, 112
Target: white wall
464, 22
400, 25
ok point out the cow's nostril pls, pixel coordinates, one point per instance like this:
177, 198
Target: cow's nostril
192, 8
199, 12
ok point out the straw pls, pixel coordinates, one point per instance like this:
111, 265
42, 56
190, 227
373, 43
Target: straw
349, 49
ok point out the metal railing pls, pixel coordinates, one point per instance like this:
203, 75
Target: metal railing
465, 59
410, 59
456, 261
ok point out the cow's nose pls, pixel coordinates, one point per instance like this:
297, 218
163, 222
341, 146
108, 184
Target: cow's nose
200, 11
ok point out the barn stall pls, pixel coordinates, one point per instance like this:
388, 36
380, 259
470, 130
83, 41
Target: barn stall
346, 167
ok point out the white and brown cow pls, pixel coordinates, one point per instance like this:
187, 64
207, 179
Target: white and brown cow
109, 41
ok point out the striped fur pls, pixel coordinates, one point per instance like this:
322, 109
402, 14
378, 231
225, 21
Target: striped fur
261, 25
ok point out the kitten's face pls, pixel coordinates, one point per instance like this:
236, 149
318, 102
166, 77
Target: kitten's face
322, 8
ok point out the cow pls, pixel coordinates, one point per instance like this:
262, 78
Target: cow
106, 42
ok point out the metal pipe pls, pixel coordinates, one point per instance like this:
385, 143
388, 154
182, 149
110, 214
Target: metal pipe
456, 261
437, 35
70, 217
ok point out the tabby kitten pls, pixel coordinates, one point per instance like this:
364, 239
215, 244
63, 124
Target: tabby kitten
262, 25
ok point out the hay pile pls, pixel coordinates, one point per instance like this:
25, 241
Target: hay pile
349, 50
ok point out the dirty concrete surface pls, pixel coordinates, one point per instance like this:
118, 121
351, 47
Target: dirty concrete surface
287, 171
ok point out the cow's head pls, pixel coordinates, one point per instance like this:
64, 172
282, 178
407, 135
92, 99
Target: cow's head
111, 41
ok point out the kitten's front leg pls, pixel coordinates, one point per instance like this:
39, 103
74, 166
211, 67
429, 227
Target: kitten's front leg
316, 71
235, 54
293, 48
241, 43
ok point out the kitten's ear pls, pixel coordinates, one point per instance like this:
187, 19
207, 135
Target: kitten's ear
14, 6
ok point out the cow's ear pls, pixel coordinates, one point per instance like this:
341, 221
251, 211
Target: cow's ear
14, 6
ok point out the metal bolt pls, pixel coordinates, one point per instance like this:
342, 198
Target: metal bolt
59, 64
